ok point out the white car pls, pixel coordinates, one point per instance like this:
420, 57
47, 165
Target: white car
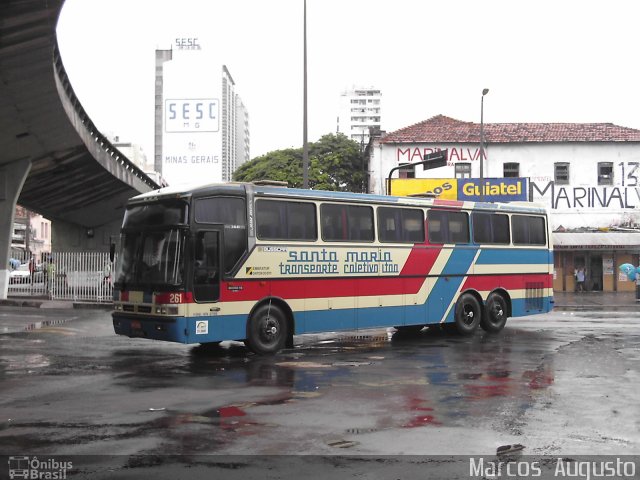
20, 274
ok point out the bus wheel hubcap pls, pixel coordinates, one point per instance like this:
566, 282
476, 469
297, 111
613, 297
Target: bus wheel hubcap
271, 329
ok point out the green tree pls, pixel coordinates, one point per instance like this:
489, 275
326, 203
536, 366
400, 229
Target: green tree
335, 163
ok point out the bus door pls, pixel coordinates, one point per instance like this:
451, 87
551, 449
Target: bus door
206, 266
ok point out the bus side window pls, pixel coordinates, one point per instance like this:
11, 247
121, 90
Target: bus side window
448, 226
528, 230
400, 225
490, 228
343, 223
435, 221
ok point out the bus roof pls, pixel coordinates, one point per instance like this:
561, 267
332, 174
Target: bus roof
187, 190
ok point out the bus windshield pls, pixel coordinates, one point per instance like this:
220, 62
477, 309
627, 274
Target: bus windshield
151, 258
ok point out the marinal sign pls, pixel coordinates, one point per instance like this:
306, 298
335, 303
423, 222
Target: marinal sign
493, 189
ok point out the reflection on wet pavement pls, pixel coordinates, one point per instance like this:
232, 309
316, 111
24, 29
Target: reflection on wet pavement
209, 399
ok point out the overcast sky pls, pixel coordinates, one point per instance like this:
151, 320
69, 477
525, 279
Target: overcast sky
543, 60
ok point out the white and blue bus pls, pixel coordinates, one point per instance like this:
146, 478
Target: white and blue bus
259, 264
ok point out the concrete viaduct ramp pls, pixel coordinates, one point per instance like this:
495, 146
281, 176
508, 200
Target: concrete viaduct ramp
53, 160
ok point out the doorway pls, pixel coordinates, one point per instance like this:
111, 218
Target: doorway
594, 273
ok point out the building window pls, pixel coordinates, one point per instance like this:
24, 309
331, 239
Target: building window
605, 173
511, 170
561, 173
463, 170
406, 174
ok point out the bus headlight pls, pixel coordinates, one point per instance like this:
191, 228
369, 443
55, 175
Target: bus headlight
166, 310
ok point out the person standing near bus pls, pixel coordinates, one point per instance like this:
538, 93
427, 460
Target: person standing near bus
580, 279
32, 268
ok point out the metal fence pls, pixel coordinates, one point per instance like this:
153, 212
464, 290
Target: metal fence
76, 276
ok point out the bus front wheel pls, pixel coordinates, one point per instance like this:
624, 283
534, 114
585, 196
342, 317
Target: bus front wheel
496, 316
467, 314
266, 330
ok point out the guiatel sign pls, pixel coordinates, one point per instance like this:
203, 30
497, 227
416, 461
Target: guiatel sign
468, 189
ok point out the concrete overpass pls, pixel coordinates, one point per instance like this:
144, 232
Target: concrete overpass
53, 159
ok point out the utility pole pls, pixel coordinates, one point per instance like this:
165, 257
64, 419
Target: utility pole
484, 92
305, 146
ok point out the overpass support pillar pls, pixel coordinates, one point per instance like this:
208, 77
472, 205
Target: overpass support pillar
12, 178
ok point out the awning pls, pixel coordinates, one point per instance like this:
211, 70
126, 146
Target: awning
596, 240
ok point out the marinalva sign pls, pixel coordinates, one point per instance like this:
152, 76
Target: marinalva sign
465, 189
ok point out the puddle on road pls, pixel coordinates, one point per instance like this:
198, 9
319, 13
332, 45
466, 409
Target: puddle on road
445, 384
23, 363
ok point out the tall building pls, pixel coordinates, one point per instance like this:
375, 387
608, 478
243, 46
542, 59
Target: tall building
242, 133
360, 111
228, 125
196, 132
161, 57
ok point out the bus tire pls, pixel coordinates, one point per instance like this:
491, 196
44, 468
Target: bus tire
267, 330
467, 314
495, 316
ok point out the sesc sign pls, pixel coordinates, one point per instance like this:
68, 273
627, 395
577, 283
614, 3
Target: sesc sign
191, 115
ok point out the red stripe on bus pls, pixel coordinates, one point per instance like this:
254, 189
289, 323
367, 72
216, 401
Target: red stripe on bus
420, 261
448, 203
319, 288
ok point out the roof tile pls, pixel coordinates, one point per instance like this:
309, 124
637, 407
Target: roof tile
443, 129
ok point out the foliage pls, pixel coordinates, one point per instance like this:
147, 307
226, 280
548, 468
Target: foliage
335, 163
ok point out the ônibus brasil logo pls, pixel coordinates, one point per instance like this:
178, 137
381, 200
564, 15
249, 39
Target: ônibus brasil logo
33, 468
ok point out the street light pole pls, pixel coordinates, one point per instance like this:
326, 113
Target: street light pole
305, 146
484, 92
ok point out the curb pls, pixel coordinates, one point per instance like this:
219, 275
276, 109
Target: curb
597, 308
60, 304
21, 303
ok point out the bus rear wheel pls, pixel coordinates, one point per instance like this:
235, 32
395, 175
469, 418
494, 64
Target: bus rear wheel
267, 330
467, 314
496, 314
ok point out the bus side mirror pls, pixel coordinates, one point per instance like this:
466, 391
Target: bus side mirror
112, 252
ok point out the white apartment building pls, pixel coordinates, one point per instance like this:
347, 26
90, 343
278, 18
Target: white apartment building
360, 112
243, 140
587, 174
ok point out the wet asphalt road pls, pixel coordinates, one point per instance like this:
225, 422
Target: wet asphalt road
561, 383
